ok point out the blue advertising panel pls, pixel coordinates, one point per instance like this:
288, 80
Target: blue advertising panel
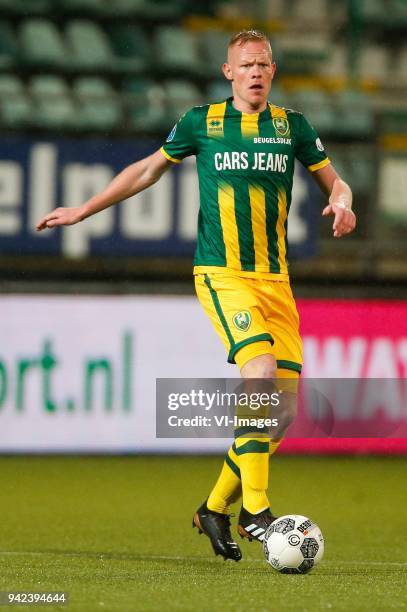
38, 175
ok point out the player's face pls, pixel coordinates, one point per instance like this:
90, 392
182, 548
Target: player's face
250, 67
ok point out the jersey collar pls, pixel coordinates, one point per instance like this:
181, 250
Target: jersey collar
237, 113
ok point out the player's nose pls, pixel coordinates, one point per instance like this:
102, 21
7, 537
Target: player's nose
255, 72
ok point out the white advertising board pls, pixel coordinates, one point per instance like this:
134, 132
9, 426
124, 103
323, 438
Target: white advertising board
78, 374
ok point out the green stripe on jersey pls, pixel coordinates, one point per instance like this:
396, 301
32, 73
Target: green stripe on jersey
271, 224
244, 225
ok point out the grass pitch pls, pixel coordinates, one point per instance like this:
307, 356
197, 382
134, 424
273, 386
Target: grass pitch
115, 533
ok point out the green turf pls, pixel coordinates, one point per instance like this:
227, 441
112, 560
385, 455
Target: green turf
115, 533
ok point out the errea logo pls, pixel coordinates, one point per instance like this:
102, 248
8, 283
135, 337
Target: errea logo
215, 125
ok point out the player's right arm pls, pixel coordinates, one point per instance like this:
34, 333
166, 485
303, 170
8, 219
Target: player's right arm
131, 180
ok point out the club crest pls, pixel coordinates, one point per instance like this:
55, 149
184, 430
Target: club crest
242, 320
281, 126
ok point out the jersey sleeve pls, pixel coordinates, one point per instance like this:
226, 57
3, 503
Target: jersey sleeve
181, 141
309, 148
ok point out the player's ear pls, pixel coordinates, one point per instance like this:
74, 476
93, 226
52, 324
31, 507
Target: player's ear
274, 66
227, 71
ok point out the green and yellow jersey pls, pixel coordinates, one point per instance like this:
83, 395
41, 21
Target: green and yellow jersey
245, 167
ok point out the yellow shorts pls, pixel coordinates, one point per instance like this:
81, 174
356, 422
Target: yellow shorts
252, 317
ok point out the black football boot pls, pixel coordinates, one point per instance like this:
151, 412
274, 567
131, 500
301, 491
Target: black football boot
217, 527
254, 526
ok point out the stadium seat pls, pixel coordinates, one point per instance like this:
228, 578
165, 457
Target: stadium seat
302, 53
354, 114
219, 90
54, 107
401, 67
177, 50
181, 96
355, 166
340, 161
279, 97
336, 65
96, 88
15, 107
399, 11
362, 170
310, 10
99, 106
374, 62
393, 121
90, 45
317, 107
10, 85
131, 46
147, 105
214, 45
374, 10
8, 45
50, 52
274, 9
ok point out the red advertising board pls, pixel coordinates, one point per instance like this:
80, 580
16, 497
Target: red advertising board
364, 340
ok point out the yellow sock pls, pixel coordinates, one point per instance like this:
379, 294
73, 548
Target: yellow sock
253, 455
228, 487
274, 444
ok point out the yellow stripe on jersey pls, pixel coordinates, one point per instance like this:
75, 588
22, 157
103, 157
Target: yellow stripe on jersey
215, 119
258, 210
168, 156
250, 125
226, 199
277, 111
319, 165
280, 229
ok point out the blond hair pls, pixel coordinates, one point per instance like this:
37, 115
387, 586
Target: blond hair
248, 35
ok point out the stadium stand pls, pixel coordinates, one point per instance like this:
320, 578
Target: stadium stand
100, 107
8, 46
177, 50
54, 107
90, 45
131, 47
52, 52
15, 105
129, 68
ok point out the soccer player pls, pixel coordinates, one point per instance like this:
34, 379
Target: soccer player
245, 148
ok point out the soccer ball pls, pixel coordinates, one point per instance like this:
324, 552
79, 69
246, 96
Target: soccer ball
293, 544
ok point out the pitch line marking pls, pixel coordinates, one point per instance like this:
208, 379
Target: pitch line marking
135, 557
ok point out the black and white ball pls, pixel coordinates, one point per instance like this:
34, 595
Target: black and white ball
293, 544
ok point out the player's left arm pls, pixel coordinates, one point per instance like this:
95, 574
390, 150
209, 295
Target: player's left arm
340, 200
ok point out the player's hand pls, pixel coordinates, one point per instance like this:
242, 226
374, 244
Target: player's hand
345, 219
61, 216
